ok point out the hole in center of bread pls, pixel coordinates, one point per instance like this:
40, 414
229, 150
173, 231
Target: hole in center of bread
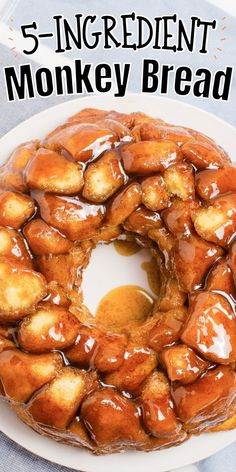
116, 284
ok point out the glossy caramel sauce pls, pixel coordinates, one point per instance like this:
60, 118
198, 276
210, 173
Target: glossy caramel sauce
151, 269
126, 248
124, 305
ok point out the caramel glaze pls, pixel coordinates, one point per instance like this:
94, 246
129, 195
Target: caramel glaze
137, 375
126, 248
124, 305
151, 269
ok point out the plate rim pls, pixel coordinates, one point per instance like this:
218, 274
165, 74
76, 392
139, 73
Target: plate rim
184, 462
57, 110
129, 95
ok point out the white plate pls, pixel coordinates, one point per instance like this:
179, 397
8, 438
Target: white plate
196, 448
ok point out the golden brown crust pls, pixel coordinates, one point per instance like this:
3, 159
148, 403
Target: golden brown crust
200, 412
103, 177
44, 239
49, 328
147, 157
15, 208
72, 216
213, 183
155, 194
20, 290
212, 313
53, 172
83, 142
123, 205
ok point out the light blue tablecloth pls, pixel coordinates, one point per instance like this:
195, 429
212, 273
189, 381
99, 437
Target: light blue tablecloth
12, 457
